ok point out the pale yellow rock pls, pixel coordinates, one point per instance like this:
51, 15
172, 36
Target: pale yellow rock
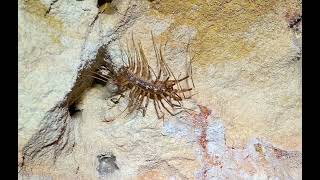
246, 68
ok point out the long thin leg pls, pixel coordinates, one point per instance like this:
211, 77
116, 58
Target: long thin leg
169, 101
190, 65
145, 72
157, 102
159, 62
171, 113
146, 105
157, 112
189, 97
176, 97
117, 101
179, 80
168, 69
138, 103
134, 99
163, 65
183, 90
131, 98
128, 53
137, 58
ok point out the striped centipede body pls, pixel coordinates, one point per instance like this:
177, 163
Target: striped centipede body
144, 84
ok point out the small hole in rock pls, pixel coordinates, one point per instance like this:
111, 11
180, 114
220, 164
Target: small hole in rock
73, 109
107, 164
102, 2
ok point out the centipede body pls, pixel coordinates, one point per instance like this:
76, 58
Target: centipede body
143, 84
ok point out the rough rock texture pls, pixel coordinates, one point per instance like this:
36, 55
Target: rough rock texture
246, 68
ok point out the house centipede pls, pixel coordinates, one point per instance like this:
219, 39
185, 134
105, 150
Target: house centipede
138, 78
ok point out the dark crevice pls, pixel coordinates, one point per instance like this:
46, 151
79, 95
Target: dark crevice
94, 20
55, 134
50, 7
73, 109
295, 21
102, 2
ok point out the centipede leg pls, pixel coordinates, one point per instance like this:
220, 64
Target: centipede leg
146, 105
173, 96
186, 77
169, 101
135, 99
157, 108
118, 99
171, 113
140, 101
157, 102
145, 72
131, 99
189, 97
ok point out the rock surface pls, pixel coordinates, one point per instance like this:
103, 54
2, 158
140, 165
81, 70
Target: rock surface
246, 68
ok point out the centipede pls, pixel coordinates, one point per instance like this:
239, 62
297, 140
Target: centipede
142, 84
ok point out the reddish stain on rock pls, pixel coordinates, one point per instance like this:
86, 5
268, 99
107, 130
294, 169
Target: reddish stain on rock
200, 120
280, 153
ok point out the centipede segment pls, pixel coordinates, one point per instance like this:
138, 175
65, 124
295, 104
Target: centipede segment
143, 84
